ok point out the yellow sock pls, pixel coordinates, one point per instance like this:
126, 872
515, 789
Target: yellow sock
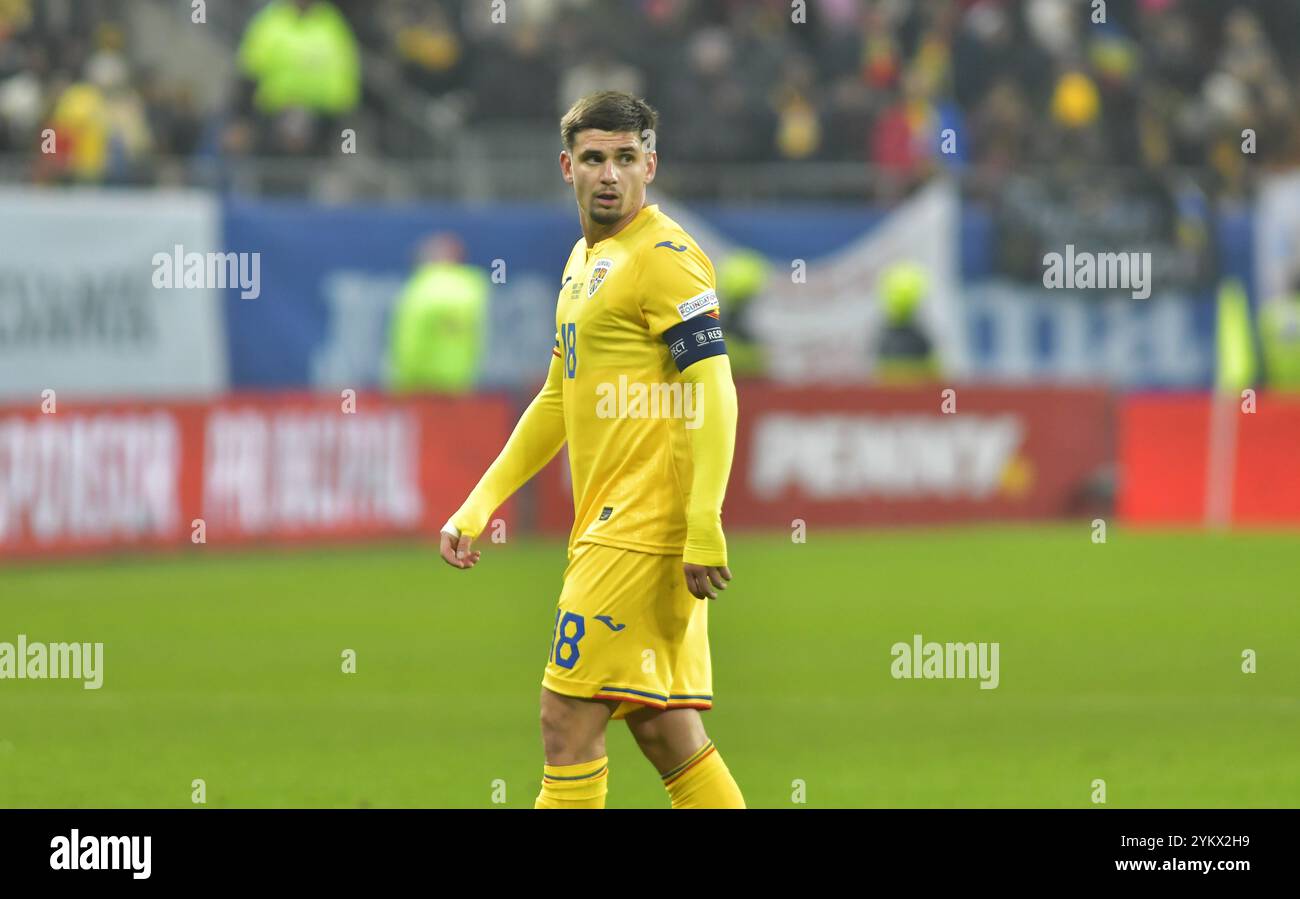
574, 786
703, 781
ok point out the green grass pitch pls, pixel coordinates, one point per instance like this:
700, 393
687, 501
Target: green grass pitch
1120, 661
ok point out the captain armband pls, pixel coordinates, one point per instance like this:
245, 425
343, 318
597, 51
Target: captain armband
694, 339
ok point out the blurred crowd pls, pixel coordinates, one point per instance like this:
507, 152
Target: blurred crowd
67, 68
905, 85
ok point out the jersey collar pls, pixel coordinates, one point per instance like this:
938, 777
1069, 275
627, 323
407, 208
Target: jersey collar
649, 211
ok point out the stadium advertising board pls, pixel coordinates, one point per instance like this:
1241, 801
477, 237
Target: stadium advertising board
246, 469
1182, 456
858, 456
85, 316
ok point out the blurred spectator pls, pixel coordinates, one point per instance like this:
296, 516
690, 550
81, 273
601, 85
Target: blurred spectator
597, 70
798, 128
432, 52
741, 276
904, 353
1001, 127
22, 101
515, 81
1279, 335
80, 125
304, 72
905, 138
1075, 103
439, 325
101, 131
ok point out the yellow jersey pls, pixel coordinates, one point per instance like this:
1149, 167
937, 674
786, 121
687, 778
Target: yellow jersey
634, 310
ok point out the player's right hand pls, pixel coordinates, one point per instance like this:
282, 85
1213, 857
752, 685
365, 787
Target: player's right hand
456, 551
705, 580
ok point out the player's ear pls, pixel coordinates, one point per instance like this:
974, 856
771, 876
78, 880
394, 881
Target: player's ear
651, 165
566, 166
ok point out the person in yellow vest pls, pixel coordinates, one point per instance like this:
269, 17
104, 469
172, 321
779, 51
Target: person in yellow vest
303, 70
438, 328
1235, 366
1279, 337
904, 353
741, 277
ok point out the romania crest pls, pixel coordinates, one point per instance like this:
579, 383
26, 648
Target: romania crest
598, 275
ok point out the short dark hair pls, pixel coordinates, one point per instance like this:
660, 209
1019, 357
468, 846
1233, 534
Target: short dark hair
608, 111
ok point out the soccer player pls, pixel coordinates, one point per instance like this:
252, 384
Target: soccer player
640, 387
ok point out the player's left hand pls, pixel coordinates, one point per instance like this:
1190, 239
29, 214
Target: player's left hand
702, 580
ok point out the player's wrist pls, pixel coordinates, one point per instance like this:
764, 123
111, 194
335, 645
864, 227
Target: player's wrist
708, 560
711, 551
469, 520
464, 524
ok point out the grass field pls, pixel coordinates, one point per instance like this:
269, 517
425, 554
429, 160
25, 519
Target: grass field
1119, 661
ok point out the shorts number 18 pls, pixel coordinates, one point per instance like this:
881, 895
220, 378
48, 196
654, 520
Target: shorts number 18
563, 636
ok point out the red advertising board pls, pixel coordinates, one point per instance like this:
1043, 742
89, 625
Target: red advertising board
244, 469
1178, 451
849, 456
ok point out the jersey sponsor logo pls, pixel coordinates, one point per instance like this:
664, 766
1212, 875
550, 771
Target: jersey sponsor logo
606, 512
598, 275
672, 246
609, 623
697, 304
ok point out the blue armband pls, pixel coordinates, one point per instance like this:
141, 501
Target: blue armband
694, 339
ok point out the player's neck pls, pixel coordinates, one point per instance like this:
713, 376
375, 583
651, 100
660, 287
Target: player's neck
595, 232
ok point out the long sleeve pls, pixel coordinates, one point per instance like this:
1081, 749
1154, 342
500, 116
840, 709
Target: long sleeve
535, 440
712, 446
680, 303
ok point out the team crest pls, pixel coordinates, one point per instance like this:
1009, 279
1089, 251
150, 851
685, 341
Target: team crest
598, 275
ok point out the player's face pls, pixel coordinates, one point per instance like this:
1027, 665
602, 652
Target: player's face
609, 171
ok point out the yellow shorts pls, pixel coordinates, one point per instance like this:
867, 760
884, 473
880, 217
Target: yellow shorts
626, 628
